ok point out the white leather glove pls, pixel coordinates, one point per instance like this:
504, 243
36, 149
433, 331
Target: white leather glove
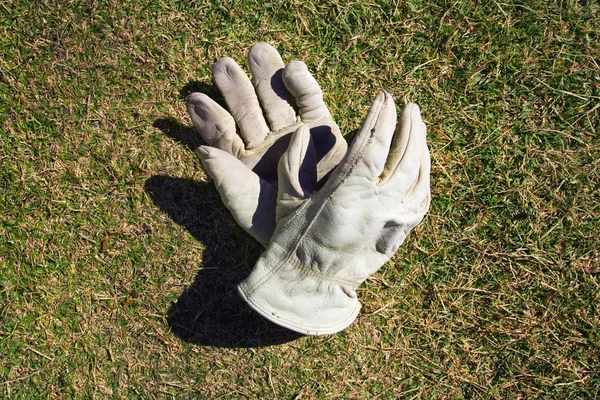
267, 111
327, 244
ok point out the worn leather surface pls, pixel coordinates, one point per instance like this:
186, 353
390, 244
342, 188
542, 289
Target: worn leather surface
255, 132
326, 243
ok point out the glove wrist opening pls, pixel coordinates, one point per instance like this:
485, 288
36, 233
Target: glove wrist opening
287, 294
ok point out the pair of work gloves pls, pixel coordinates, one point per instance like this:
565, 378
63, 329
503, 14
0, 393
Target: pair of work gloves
328, 216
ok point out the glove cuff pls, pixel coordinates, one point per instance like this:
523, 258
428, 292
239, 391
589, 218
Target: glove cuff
299, 297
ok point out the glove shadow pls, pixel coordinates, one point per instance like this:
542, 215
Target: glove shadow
177, 131
210, 312
208, 89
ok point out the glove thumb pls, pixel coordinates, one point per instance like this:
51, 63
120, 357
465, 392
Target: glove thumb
250, 199
297, 172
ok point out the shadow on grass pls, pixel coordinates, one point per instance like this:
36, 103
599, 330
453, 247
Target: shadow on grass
210, 312
185, 135
201, 87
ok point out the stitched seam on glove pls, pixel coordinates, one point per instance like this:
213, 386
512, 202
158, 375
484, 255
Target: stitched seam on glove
274, 136
271, 138
292, 324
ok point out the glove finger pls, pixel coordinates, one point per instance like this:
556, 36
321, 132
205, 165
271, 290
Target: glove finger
418, 197
266, 67
297, 172
330, 149
215, 124
329, 143
250, 199
422, 191
307, 92
241, 99
370, 147
408, 166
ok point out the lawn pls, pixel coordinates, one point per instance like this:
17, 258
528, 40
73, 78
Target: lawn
119, 262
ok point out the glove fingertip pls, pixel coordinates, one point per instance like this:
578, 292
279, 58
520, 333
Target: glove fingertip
194, 98
196, 105
294, 67
216, 160
302, 134
224, 65
371, 144
202, 152
263, 53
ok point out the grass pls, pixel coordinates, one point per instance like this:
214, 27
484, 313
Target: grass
119, 263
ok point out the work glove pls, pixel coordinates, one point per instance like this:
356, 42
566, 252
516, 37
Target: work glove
328, 242
267, 111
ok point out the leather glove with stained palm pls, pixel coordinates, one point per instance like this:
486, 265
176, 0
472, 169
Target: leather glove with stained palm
328, 242
267, 111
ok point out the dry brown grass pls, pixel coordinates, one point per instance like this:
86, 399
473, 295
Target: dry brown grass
119, 262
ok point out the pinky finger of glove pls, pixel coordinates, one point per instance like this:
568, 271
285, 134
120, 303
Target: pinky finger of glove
214, 123
250, 199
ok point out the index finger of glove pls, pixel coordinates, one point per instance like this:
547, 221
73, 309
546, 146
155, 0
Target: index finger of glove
241, 99
214, 124
266, 67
